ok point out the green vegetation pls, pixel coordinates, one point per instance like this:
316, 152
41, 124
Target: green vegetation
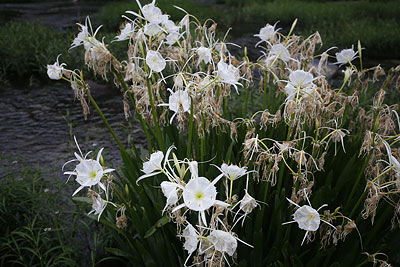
40, 226
341, 24
27, 47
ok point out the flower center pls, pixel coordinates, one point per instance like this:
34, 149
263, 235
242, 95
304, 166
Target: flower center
199, 195
92, 174
310, 216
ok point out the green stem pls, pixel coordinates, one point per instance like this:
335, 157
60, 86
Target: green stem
265, 92
190, 131
155, 117
142, 122
355, 186
104, 119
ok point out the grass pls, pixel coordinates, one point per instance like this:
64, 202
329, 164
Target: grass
40, 226
340, 24
27, 47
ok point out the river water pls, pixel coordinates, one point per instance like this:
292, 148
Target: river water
37, 125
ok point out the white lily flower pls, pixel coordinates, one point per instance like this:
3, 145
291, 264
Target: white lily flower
170, 191
150, 12
233, 172
170, 26
307, 217
178, 101
345, 56
126, 32
84, 36
279, 51
172, 38
88, 172
191, 239
98, 205
266, 33
152, 29
248, 203
228, 74
223, 242
204, 54
155, 61
200, 194
152, 166
55, 71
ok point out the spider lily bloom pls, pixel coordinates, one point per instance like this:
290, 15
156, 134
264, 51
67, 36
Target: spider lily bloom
55, 71
228, 74
172, 38
170, 26
204, 54
299, 80
233, 172
150, 12
223, 242
200, 194
98, 205
345, 56
152, 166
392, 160
266, 33
178, 101
151, 29
191, 239
246, 204
155, 61
279, 51
89, 172
126, 32
170, 191
307, 217
84, 36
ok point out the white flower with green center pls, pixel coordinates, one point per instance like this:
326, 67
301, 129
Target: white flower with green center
88, 172
223, 242
233, 172
55, 71
200, 194
155, 61
346, 56
307, 217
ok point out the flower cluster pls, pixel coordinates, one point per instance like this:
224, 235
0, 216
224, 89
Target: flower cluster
185, 189
179, 77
